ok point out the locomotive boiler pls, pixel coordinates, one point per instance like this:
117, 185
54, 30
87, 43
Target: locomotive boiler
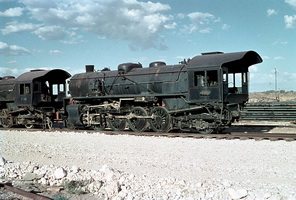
34, 98
204, 94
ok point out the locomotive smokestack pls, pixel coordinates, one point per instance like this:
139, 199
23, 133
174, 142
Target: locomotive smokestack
89, 68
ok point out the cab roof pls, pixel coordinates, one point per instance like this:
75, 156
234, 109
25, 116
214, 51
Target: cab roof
235, 62
53, 76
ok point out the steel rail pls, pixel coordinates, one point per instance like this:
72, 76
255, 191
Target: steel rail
24, 193
242, 132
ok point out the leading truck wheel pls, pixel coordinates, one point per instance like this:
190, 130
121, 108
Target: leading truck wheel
136, 123
100, 123
161, 120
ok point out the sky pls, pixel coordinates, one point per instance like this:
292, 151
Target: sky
69, 34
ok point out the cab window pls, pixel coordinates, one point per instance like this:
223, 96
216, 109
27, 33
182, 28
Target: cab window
206, 78
25, 89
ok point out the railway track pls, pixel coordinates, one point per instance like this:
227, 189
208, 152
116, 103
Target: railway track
269, 111
240, 131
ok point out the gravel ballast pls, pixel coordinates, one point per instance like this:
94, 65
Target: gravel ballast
153, 167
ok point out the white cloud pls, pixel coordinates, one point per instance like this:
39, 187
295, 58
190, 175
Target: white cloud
51, 33
253, 68
198, 22
55, 51
225, 27
290, 21
206, 30
170, 26
12, 12
181, 15
271, 12
265, 57
279, 58
12, 62
280, 42
291, 3
199, 18
15, 27
9, 71
12, 50
140, 23
43, 32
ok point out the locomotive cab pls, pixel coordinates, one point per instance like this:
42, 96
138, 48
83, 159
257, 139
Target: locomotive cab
219, 77
41, 88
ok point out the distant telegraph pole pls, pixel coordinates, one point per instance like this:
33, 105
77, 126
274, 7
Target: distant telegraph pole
275, 85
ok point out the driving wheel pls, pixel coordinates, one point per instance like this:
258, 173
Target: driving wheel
135, 123
161, 120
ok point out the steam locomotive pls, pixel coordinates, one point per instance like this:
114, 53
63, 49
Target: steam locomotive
34, 98
203, 94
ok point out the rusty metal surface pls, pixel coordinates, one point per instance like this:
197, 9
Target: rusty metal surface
24, 193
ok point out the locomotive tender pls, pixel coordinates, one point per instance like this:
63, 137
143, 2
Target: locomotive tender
204, 94
34, 98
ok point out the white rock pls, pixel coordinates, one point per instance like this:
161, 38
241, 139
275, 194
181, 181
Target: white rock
74, 169
43, 181
237, 194
2, 161
60, 173
112, 188
108, 172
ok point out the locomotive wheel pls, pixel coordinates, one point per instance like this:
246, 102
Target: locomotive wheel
7, 122
206, 131
101, 126
227, 117
138, 124
117, 124
162, 121
70, 125
29, 126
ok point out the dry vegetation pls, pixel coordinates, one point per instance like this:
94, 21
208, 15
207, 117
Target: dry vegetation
272, 96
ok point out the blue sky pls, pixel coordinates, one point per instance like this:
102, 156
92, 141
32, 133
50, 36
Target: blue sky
69, 34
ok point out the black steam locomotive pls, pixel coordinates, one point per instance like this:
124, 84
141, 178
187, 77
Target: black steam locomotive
204, 94
34, 98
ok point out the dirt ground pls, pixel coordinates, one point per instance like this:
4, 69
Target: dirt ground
257, 166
